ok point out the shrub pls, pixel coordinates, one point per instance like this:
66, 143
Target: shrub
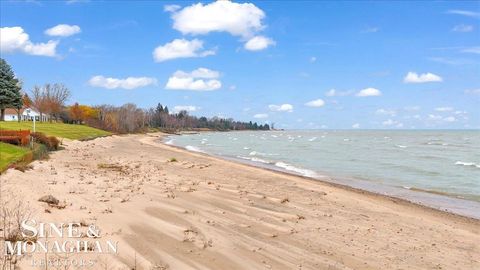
10, 139
50, 142
41, 138
39, 151
25, 140
22, 135
54, 142
23, 164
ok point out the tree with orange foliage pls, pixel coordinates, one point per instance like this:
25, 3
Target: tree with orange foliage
76, 113
27, 102
50, 99
88, 112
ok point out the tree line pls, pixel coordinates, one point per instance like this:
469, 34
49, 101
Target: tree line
160, 117
50, 100
129, 118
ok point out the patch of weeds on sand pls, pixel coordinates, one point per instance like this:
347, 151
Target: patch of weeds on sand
11, 217
189, 234
172, 160
113, 167
22, 166
39, 151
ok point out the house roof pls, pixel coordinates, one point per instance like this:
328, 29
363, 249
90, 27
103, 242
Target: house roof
11, 111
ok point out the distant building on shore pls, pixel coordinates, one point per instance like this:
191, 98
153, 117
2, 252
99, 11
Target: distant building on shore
26, 114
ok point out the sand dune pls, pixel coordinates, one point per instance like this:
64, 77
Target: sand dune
201, 212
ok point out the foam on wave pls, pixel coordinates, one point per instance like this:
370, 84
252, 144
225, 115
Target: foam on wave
193, 149
298, 170
468, 164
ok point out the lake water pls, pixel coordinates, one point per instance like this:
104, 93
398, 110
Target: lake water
438, 168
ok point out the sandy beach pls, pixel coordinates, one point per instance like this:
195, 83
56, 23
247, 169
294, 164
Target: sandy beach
173, 209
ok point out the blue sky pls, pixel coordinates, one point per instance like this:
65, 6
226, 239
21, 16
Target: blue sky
308, 64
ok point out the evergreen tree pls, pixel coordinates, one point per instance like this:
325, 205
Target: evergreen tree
10, 96
159, 108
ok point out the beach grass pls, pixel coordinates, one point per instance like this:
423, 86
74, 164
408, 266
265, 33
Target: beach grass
68, 131
10, 154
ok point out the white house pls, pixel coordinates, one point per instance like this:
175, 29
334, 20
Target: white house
26, 114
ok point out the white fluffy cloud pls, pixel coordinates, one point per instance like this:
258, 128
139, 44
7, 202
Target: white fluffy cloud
221, 16
413, 77
258, 43
63, 30
14, 39
444, 109
238, 19
412, 108
464, 13
356, 125
281, 108
438, 118
204, 73
71, 2
128, 83
333, 93
201, 79
187, 108
315, 103
369, 92
386, 112
475, 50
371, 30
390, 123
260, 115
434, 117
171, 8
462, 28
473, 91
180, 48
449, 119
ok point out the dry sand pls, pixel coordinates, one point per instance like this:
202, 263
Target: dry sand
202, 212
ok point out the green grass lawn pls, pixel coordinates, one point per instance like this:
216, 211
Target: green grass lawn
9, 154
69, 131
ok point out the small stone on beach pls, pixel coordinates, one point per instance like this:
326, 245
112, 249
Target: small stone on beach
49, 199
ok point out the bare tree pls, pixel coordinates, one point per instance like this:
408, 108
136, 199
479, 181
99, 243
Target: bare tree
50, 99
57, 95
38, 100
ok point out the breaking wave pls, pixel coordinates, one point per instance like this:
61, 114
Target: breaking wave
288, 167
468, 164
193, 149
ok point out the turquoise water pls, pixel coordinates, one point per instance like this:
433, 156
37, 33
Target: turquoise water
391, 162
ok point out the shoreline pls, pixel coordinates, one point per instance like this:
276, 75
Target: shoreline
206, 212
437, 200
